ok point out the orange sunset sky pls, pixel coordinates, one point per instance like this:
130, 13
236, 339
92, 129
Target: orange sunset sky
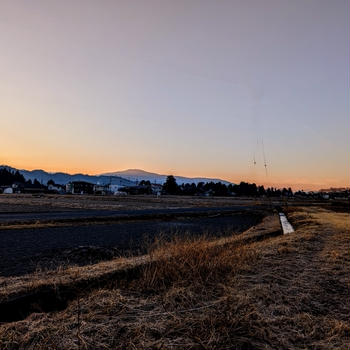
191, 88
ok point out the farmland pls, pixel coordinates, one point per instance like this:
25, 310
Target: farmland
221, 262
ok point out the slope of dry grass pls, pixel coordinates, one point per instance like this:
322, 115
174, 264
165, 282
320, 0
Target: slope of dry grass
287, 292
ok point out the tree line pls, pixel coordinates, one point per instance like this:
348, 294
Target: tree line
8, 177
219, 189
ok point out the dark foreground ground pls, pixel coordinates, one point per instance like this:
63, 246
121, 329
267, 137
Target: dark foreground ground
26, 250
281, 292
45, 232
74, 216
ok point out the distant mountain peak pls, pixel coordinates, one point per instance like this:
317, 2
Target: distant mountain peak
140, 174
135, 171
126, 177
63, 178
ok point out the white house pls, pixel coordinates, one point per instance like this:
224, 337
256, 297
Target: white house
114, 188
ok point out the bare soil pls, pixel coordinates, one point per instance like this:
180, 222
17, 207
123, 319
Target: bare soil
26, 250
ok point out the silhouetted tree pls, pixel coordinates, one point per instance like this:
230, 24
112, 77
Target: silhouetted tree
145, 187
170, 186
36, 183
261, 191
145, 183
8, 177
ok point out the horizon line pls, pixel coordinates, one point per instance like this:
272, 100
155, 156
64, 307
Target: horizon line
296, 186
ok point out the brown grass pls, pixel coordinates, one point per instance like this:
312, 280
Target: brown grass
11, 287
197, 262
47, 202
287, 292
184, 278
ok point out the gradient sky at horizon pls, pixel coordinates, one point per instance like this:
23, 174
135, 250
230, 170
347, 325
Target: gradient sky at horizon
182, 87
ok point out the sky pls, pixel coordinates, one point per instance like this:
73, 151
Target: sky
194, 88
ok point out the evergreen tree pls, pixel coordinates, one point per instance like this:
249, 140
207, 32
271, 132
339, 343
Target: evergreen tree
36, 183
8, 177
170, 186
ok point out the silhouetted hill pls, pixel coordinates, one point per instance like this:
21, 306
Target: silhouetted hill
63, 178
139, 174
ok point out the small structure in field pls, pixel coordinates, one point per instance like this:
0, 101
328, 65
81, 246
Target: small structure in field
114, 189
80, 187
59, 189
28, 187
140, 189
101, 189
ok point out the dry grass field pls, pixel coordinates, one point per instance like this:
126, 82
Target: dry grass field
28, 202
284, 292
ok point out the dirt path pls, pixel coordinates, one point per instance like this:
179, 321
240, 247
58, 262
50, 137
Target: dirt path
301, 286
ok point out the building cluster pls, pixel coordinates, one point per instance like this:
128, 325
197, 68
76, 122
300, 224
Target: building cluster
81, 187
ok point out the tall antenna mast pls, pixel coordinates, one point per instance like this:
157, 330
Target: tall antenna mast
263, 149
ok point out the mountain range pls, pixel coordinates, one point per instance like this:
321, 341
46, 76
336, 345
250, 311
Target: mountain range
138, 175
62, 178
128, 177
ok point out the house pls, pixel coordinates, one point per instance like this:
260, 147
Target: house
114, 189
101, 189
8, 190
56, 188
157, 189
143, 189
80, 187
24, 187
